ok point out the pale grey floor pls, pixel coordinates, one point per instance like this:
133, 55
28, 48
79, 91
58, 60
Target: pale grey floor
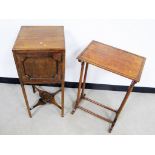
138, 116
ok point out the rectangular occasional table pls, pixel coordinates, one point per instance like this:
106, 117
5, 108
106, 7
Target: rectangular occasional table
112, 59
39, 54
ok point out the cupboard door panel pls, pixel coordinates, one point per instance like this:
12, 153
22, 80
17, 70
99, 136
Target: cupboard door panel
39, 68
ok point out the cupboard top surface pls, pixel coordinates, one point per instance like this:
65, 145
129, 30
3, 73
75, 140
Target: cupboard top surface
41, 38
113, 59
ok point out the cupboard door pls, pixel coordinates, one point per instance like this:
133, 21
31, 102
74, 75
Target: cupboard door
40, 68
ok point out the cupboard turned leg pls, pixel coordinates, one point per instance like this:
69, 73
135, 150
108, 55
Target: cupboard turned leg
79, 88
26, 100
130, 88
84, 80
62, 99
63, 86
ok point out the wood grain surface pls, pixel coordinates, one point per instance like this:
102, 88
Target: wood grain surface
40, 38
113, 59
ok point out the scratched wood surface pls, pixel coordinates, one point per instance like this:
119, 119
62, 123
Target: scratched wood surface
40, 38
113, 59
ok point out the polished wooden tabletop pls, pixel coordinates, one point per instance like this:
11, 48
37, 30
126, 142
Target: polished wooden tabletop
113, 59
40, 38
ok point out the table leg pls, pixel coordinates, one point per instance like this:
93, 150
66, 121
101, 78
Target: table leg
84, 80
130, 88
26, 100
79, 88
62, 87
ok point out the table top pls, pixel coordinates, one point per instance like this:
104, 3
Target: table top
115, 60
32, 38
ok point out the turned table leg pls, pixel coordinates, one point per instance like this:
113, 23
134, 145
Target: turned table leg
84, 80
130, 88
79, 88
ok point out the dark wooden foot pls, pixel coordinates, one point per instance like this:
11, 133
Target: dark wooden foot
112, 125
73, 111
75, 107
33, 88
46, 97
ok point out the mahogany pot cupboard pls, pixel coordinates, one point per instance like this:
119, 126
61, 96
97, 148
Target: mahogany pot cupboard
39, 54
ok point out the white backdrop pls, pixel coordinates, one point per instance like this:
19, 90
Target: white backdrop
137, 36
